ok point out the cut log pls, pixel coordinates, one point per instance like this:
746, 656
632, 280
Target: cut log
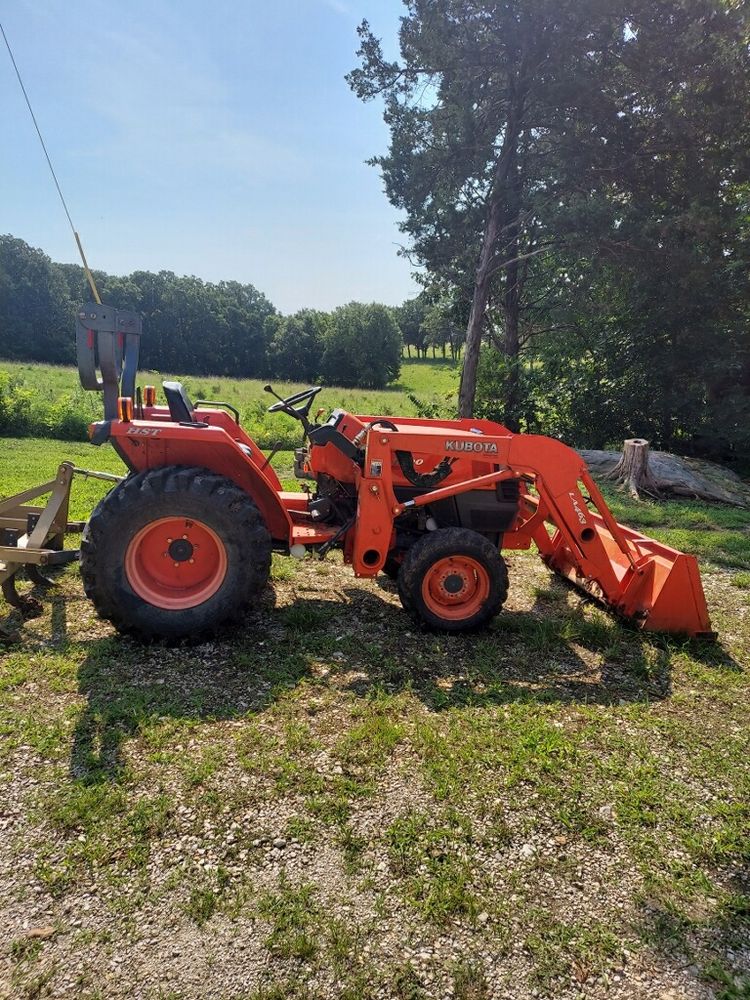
633, 471
681, 477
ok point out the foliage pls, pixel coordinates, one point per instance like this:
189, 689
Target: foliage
362, 346
576, 178
35, 307
296, 345
15, 404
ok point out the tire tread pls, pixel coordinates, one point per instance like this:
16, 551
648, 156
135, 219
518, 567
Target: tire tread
437, 545
207, 485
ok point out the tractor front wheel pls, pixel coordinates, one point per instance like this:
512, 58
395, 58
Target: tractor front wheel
174, 552
453, 579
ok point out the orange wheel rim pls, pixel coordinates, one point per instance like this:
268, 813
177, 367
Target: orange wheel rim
455, 588
175, 563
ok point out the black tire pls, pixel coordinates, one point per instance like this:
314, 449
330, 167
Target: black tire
215, 503
468, 548
392, 567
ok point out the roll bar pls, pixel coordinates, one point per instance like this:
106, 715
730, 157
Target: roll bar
108, 339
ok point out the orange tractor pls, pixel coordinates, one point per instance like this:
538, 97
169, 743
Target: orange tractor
184, 542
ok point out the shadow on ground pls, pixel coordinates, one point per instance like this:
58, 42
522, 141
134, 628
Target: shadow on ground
360, 643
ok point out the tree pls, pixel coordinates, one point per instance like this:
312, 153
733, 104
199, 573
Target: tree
647, 334
534, 144
296, 345
441, 330
410, 317
475, 106
362, 346
35, 308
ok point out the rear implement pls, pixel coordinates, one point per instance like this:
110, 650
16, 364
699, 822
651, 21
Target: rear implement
32, 534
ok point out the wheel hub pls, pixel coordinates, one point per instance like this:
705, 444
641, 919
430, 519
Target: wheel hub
455, 587
180, 550
175, 563
453, 583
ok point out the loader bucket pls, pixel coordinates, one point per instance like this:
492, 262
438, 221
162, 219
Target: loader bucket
654, 586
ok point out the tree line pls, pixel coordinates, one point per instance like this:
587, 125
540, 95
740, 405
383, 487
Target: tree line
574, 178
225, 328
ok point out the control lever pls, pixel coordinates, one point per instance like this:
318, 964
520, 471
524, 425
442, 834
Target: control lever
270, 389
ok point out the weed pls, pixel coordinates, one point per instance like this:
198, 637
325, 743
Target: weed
291, 912
435, 860
406, 984
25, 949
201, 904
563, 950
470, 982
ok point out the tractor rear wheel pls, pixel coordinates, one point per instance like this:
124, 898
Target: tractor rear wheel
453, 579
174, 552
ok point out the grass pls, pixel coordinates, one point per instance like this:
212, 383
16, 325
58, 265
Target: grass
57, 396
711, 531
540, 807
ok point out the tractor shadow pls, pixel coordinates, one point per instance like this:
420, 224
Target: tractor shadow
357, 641
564, 648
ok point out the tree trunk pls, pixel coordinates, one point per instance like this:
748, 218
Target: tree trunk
492, 230
512, 302
468, 387
633, 469
511, 345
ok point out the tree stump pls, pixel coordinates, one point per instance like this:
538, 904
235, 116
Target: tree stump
633, 470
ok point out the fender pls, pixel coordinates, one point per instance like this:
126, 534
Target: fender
145, 444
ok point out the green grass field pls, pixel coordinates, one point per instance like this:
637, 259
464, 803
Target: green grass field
430, 377
330, 803
55, 389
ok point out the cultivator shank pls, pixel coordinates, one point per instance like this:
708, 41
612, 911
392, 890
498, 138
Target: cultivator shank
32, 535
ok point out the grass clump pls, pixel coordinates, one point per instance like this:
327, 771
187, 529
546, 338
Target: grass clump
292, 912
434, 859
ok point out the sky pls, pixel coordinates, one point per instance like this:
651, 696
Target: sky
216, 139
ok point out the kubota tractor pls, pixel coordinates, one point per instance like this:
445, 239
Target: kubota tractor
184, 542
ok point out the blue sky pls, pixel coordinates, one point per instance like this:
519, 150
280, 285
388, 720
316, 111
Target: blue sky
218, 139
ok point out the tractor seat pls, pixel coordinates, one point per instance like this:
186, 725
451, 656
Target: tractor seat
181, 410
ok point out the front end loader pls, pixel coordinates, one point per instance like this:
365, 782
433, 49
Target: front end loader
183, 544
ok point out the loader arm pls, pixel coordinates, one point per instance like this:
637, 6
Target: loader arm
653, 585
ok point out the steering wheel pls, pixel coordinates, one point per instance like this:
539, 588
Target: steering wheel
286, 404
